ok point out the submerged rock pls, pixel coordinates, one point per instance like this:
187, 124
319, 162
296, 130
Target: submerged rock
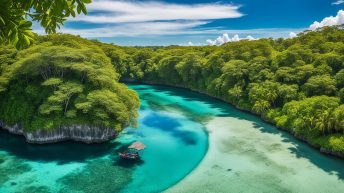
82, 133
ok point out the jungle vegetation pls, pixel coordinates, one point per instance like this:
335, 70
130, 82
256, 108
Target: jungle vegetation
63, 80
296, 83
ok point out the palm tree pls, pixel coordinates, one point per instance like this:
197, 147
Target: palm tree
261, 106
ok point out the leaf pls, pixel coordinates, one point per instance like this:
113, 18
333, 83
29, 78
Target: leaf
27, 40
87, 1
83, 8
72, 12
78, 9
2, 21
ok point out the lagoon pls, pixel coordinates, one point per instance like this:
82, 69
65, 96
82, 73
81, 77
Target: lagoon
194, 144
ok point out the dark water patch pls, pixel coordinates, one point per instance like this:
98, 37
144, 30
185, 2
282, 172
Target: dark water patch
276, 147
99, 176
124, 162
162, 122
128, 163
185, 94
202, 118
223, 109
171, 125
176, 107
329, 164
63, 152
35, 189
11, 168
2, 160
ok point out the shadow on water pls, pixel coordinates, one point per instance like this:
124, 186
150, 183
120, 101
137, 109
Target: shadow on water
329, 164
63, 152
128, 163
170, 125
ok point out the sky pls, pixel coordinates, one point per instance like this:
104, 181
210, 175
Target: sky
199, 22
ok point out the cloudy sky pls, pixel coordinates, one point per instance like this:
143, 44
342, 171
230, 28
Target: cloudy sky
198, 22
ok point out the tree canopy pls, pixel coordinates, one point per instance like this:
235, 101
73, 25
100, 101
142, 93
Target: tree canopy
295, 83
55, 83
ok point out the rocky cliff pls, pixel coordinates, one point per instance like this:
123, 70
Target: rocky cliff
82, 133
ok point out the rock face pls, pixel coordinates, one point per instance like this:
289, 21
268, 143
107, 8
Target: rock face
82, 133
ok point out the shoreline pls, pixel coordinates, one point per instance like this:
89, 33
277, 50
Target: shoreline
244, 158
315, 146
78, 133
88, 140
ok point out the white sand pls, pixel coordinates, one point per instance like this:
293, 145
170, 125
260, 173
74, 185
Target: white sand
246, 157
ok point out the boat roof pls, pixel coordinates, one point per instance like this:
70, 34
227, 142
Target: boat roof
137, 145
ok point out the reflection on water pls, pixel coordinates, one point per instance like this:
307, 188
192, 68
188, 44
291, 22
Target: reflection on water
172, 125
62, 153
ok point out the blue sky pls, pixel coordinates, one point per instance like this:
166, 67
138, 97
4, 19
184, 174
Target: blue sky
177, 22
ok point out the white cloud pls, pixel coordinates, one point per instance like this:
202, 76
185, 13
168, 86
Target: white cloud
250, 38
225, 38
338, 2
190, 44
292, 35
135, 18
136, 29
184, 28
143, 11
329, 21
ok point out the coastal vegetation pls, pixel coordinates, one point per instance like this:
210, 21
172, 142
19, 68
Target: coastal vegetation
63, 80
296, 83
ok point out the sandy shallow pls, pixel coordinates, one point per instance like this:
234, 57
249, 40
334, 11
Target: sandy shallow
251, 156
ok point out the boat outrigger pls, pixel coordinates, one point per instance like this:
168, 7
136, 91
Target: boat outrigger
133, 151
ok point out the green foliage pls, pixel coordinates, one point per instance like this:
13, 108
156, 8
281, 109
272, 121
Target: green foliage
295, 83
64, 85
312, 115
16, 16
320, 85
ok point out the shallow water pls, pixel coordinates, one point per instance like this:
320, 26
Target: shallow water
175, 146
245, 154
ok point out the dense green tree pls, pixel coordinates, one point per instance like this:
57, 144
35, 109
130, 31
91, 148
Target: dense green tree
295, 83
190, 68
320, 85
312, 114
65, 84
338, 115
340, 78
167, 70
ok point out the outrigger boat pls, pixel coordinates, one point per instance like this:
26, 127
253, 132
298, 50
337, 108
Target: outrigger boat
133, 151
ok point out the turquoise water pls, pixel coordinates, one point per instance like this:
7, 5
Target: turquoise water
175, 146
244, 154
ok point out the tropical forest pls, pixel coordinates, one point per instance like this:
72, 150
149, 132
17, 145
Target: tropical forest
83, 109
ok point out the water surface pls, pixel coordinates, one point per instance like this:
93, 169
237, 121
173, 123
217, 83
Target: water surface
244, 154
175, 146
